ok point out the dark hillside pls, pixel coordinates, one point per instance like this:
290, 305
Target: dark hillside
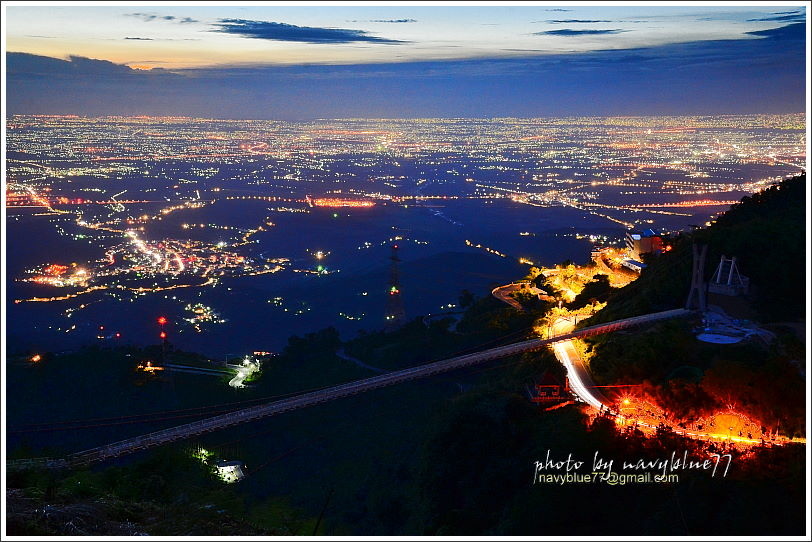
766, 232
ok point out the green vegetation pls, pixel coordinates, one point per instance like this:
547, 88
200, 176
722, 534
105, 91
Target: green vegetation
764, 231
306, 363
690, 378
541, 282
477, 466
597, 290
357, 434
486, 322
412, 344
169, 492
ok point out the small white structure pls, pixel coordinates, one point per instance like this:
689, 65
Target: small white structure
727, 280
230, 471
634, 265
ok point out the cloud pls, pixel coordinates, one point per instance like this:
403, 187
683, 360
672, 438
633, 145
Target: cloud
143, 16
557, 9
267, 30
559, 21
382, 21
161, 39
793, 18
34, 65
572, 32
149, 17
790, 32
703, 77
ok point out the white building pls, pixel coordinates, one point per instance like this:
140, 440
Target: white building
230, 471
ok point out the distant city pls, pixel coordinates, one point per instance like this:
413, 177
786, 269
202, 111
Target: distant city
405, 269
169, 214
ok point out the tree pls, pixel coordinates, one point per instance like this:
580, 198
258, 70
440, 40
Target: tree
466, 299
596, 290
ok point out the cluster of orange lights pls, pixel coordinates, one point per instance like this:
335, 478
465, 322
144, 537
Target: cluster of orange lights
20, 199
148, 367
55, 270
726, 426
336, 202
687, 203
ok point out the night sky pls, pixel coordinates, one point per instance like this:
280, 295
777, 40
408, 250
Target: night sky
292, 63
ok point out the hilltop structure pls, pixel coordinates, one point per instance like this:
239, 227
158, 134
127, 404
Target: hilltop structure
645, 242
727, 280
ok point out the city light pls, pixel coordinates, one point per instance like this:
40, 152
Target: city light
337, 202
561, 178
148, 367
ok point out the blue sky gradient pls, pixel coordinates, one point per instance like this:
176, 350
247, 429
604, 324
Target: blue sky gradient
389, 62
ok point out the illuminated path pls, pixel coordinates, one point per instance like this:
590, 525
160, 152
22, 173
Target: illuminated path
253, 413
504, 293
584, 388
579, 378
580, 381
243, 372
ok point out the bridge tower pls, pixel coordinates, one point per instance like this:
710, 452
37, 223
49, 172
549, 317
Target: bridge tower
696, 296
727, 280
395, 313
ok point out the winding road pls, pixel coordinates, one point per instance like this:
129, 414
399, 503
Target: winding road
505, 293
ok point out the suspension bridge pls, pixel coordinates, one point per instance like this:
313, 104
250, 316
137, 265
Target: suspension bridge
253, 413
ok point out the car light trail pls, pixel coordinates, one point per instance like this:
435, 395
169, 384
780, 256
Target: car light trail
576, 384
